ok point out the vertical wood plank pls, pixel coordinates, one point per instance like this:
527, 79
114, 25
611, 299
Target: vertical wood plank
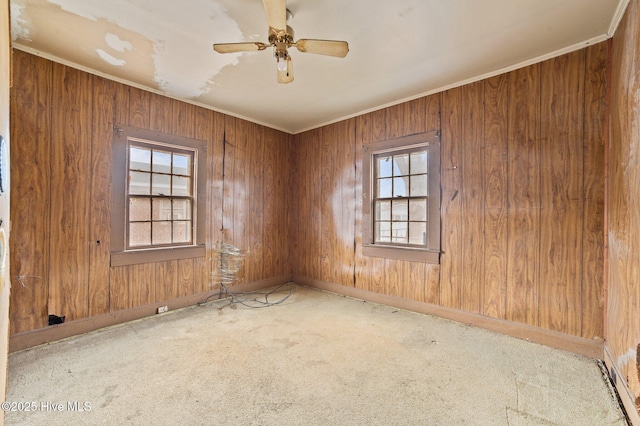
30, 116
118, 288
416, 117
595, 128
495, 196
316, 208
562, 193
394, 121
362, 130
394, 277
378, 126
100, 195
141, 284
270, 191
451, 205
183, 119
166, 280
523, 223
205, 123
121, 104
324, 190
346, 133
473, 175
413, 288
432, 113
242, 208
257, 200
139, 107
185, 277
70, 167
160, 113
229, 155
432, 284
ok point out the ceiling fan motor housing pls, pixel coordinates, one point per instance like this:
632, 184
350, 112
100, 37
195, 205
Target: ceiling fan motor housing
281, 41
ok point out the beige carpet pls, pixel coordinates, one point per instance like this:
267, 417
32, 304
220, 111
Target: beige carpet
315, 359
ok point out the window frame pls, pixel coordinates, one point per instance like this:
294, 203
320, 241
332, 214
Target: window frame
120, 254
429, 253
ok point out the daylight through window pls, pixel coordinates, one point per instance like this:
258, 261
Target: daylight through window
160, 197
401, 198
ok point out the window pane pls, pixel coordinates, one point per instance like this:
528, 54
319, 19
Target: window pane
384, 167
139, 159
181, 232
139, 183
401, 186
181, 186
418, 233
383, 210
161, 161
139, 209
401, 165
400, 210
399, 232
419, 186
384, 188
161, 232
181, 210
182, 164
418, 210
139, 234
161, 209
161, 185
419, 163
383, 232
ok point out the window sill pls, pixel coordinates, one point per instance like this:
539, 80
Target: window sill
133, 257
401, 253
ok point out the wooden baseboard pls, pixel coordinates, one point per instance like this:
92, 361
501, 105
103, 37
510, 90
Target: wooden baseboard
554, 339
626, 396
31, 338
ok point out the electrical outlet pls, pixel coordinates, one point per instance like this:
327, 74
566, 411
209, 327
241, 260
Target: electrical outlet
163, 309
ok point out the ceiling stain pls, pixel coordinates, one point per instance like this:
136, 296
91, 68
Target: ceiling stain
157, 32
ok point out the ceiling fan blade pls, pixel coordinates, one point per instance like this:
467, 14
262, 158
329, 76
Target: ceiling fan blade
286, 76
323, 47
276, 11
238, 47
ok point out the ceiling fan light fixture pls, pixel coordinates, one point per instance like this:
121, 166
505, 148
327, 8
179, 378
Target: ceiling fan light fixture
282, 64
281, 37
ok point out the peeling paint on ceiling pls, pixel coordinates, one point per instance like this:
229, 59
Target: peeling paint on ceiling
116, 43
19, 25
177, 37
399, 50
110, 59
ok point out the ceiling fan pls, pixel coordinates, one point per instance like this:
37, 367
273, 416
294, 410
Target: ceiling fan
281, 38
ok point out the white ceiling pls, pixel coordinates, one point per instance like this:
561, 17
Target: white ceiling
399, 49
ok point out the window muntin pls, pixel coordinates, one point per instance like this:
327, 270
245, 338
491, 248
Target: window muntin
401, 197
160, 196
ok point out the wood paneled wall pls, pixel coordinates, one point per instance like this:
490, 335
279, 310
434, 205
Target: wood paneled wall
623, 205
61, 131
522, 197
